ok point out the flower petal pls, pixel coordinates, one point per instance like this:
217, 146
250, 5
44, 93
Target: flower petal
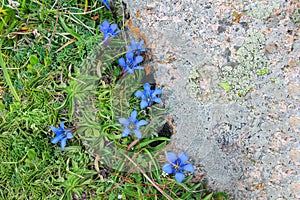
132, 43
179, 177
129, 70
125, 132
138, 134
141, 43
116, 32
143, 104
124, 121
139, 94
157, 91
57, 131
168, 168
104, 26
188, 167
63, 143
113, 27
69, 135
147, 87
171, 157
57, 138
129, 56
141, 123
106, 3
133, 115
138, 59
138, 67
129, 48
61, 125
121, 62
183, 157
157, 100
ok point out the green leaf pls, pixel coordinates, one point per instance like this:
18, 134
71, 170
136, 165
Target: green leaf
31, 154
145, 143
33, 60
208, 197
1, 106
47, 61
30, 68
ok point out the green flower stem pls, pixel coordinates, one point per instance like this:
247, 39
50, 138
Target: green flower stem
7, 78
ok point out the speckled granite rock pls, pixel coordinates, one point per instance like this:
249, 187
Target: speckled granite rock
230, 72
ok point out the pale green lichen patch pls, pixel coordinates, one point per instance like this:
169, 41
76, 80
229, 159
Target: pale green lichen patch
203, 83
262, 71
260, 10
234, 78
296, 16
194, 83
251, 61
225, 86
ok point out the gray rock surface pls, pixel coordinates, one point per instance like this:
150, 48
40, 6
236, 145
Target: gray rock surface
230, 72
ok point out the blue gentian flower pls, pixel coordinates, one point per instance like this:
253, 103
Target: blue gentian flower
107, 4
61, 135
176, 165
132, 125
148, 96
108, 29
136, 47
131, 63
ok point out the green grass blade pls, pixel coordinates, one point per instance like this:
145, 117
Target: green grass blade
73, 33
7, 77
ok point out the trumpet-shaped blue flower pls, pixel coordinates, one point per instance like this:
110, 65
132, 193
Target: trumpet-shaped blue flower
61, 135
131, 63
136, 47
148, 96
108, 29
107, 3
176, 165
132, 125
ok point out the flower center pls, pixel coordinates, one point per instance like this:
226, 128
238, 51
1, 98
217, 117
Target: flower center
148, 97
65, 132
177, 165
132, 126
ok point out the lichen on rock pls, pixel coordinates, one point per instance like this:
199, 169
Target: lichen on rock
251, 59
202, 84
260, 10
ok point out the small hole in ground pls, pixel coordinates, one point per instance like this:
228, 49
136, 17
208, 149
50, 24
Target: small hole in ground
166, 131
